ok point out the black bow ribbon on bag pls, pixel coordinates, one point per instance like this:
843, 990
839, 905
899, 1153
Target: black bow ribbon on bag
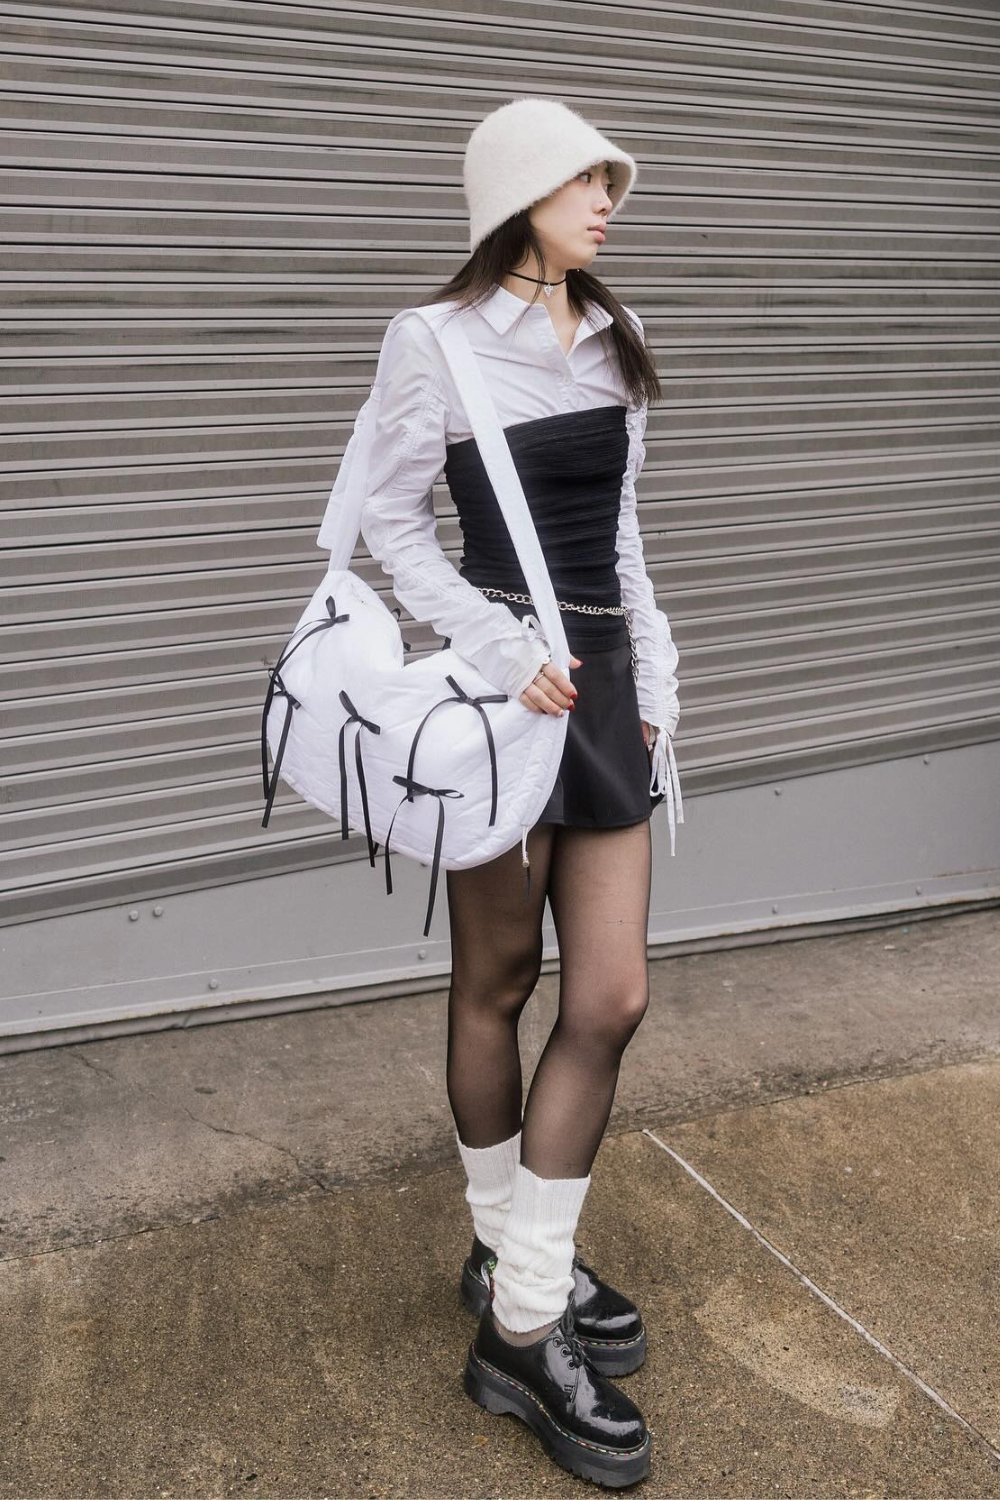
362, 723
277, 689
459, 695
417, 789
476, 703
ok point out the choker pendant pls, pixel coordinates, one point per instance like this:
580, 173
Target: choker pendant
548, 288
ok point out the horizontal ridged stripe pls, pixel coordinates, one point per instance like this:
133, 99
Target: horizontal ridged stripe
205, 244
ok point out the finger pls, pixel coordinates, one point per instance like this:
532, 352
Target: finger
556, 674
553, 677
556, 694
534, 696
555, 683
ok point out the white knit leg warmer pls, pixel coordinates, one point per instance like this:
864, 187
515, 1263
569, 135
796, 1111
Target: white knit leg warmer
490, 1172
533, 1278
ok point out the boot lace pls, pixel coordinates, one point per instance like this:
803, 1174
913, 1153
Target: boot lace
571, 1345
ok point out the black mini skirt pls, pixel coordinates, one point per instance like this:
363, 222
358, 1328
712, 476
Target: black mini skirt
604, 774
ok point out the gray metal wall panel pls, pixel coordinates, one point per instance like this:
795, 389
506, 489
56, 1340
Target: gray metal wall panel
750, 868
205, 240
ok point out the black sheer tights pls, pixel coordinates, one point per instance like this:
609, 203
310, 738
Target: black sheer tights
597, 884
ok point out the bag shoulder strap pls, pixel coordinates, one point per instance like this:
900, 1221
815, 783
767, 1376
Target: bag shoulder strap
498, 461
342, 520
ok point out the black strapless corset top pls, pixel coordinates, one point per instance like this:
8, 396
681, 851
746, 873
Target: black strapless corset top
571, 467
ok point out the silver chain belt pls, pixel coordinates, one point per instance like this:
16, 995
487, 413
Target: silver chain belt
582, 609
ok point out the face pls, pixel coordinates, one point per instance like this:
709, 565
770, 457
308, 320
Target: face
565, 220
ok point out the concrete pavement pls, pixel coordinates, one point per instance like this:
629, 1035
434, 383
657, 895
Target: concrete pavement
230, 1253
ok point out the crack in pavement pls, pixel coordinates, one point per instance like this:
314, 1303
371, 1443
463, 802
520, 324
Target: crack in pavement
309, 1173
88, 1062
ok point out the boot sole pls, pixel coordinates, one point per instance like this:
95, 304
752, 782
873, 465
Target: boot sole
610, 1359
613, 1468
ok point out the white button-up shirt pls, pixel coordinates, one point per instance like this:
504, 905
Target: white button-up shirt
419, 411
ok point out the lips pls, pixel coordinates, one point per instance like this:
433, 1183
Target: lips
598, 229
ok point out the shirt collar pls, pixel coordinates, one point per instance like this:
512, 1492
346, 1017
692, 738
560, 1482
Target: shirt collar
502, 307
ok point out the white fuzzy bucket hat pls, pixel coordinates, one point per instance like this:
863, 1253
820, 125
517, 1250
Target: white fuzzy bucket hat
523, 151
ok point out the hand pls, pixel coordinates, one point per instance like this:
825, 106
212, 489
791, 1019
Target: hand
551, 690
649, 733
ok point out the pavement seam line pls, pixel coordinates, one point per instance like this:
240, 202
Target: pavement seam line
818, 1291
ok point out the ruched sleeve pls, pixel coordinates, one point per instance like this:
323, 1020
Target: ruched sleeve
408, 413
657, 683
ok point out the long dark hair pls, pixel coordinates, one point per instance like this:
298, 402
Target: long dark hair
507, 246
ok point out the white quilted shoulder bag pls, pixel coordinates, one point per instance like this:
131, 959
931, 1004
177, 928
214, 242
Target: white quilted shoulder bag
426, 755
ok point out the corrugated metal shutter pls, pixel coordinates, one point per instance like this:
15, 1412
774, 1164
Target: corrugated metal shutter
211, 213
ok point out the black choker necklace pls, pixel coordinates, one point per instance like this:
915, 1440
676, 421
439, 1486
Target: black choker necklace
545, 285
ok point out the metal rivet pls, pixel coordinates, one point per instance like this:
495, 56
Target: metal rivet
213, 984
133, 916
919, 890
777, 791
157, 911
774, 911
421, 952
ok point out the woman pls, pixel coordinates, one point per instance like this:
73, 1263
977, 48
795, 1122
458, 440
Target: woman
567, 366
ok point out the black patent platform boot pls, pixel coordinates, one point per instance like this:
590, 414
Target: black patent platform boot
608, 1325
586, 1424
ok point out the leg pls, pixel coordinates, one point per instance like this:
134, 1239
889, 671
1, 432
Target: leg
599, 893
526, 1357
496, 950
